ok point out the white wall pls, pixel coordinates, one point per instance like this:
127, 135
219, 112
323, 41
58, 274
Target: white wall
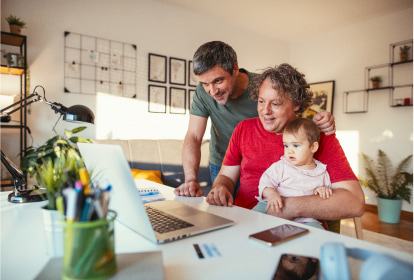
342, 56
164, 29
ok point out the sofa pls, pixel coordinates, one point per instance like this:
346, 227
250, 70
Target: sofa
164, 156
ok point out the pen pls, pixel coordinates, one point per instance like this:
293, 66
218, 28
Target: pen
84, 177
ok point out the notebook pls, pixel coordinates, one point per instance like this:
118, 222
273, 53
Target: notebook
108, 162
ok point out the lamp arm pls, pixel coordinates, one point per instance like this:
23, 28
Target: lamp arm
34, 95
16, 172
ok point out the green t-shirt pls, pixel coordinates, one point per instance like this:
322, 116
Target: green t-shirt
223, 118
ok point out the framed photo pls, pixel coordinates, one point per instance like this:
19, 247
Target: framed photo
323, 94
157, 99
192, 78
177, 100
157, 68
177, 71
191, 93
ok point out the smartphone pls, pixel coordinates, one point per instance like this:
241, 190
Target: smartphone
278, 234
297, 267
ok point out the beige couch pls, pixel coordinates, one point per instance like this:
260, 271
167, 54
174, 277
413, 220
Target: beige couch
165, 156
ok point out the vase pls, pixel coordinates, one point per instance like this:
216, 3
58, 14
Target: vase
375, 84
403, 57
389, 210
15, 29
53, 232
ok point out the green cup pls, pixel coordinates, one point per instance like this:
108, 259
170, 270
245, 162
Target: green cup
89, 249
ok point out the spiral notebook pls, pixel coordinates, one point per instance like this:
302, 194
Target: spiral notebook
149, 194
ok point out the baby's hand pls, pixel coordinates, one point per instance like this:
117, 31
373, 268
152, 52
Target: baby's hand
274, 205
323, 192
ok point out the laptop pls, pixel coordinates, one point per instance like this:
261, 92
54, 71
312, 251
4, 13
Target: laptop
107, 162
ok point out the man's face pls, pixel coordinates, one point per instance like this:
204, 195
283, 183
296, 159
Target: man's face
274, 110
218, 83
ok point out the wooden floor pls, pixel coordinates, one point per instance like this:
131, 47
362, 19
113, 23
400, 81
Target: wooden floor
402, 230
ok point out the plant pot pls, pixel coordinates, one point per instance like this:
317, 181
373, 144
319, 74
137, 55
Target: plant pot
403, 57
375, 84
15, 29
53, 232
389, 210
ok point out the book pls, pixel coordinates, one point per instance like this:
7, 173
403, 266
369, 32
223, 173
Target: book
150, 194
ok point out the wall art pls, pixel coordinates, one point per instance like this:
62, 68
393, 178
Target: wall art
157, 68
323, 94
177, 71
177, 100
157, 99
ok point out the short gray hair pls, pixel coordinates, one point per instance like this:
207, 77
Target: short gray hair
214, 53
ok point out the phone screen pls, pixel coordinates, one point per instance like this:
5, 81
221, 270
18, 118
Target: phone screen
278, 234
297, 267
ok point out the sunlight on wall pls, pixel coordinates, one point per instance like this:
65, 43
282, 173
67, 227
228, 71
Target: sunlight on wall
126, 118
349, 141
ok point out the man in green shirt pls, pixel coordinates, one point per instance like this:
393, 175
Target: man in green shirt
222, 95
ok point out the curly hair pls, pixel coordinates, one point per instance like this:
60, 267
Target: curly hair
214, 53
288, 81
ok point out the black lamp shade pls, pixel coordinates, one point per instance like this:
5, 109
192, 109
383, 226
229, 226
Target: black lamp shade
79, 113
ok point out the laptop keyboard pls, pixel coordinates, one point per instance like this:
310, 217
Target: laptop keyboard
162, 222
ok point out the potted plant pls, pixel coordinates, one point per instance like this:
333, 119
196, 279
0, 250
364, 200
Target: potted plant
376, 80
390, 184
13, 59
404, 53
55, 164
15, 24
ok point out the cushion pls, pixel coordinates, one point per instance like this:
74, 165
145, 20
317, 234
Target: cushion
151, 175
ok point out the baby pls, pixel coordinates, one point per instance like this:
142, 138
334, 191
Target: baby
297, 173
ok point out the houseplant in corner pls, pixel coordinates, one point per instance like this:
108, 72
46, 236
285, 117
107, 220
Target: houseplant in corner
15, 24
390, 184
376, 80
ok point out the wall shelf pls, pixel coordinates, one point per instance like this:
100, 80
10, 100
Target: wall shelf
18, 43
401, 95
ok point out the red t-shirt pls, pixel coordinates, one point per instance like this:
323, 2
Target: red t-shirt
255, 149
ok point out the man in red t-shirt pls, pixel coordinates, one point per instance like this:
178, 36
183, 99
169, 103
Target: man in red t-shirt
282, 93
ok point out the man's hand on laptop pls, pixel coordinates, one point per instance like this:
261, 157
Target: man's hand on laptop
189, 189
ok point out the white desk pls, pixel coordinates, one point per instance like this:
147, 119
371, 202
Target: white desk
23, 252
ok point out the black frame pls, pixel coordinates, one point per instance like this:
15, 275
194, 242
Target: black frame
180, 101
191, 93
181, 72
152, 68
152, 95
191, 75
327, 88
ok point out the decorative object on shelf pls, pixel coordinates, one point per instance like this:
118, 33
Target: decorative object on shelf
404, 53
13, 59
376, 80
390, 184
323, 94
15, 24
55, 164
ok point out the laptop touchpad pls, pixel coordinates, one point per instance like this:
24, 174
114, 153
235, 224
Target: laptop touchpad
184, 211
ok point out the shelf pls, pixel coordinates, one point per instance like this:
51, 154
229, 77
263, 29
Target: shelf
12, 39
356, 101
12, 70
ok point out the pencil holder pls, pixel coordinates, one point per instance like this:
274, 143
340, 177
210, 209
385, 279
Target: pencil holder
89, 249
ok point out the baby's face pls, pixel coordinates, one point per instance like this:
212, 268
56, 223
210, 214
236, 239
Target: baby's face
298, 150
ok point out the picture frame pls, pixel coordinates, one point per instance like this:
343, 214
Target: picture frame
177, 100
323, 95
177, 71
157, 99
157, 68
192, 78
191, 93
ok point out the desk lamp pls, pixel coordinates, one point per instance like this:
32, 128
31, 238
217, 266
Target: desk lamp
76, 113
